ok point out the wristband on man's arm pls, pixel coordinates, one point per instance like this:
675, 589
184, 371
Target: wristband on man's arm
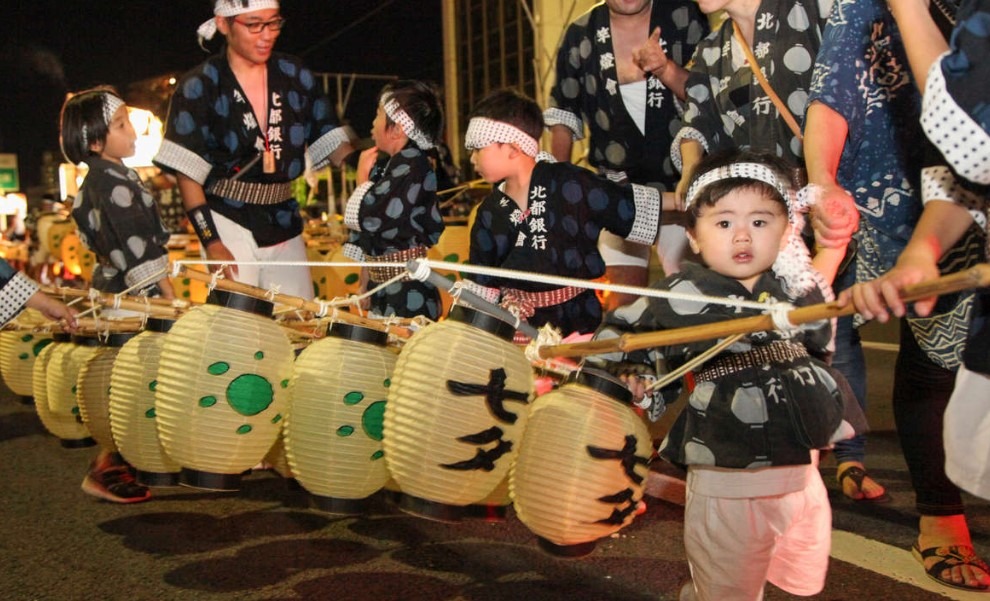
202, 221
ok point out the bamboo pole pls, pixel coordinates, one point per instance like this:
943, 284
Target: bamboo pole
108, 298
154, 307
974, 277
295, 301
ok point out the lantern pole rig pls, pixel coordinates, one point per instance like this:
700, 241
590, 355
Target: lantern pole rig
314, 307
974, 277
154, 307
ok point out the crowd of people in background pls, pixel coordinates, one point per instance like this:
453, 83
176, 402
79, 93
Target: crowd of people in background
793, 151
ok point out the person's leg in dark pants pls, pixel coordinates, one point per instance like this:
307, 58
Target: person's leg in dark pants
850, 454
921, 393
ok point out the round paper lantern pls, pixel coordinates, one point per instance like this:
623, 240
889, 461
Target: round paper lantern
63, 368
78, 259
67, 427
222, 389
333, 436
456, 411
581, 465
57, 231
133, 423
18, 352
93, 389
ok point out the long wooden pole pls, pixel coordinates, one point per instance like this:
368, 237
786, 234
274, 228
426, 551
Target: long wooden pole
154, 307
295, 301
974, 277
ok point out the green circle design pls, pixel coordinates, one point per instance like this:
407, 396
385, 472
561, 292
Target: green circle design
277, 418
351, 278
153, 385
373, 419
40, 346
259, 355
27, 338
218, 369
353, 398
250, 394
377, 455
150, 413
244, 429
208, 401
345, 431
24, 356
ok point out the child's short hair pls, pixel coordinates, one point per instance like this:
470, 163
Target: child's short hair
420, 100
84, 120
701, 194
512, 107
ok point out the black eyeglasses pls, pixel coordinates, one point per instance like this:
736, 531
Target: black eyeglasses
259, 26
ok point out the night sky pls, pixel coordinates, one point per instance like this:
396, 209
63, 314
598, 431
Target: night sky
50, 47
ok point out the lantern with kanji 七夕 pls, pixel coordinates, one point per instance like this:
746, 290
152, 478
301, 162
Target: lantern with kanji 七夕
222, 389
581, 465
19, 350
333, 436
93, 389
133, 380
63, 367
456, 411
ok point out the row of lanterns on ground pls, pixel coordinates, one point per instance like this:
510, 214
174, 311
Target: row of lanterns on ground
448, 420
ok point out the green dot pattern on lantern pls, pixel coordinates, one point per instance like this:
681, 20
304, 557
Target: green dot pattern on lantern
372, 419
247, 394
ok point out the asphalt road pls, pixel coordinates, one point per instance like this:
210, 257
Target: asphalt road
266, 542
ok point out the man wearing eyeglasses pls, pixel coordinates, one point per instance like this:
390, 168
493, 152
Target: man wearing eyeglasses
239, 129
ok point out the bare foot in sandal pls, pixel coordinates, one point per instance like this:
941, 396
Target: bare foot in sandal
857, 484
944, 542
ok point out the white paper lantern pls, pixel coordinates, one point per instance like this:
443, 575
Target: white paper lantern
133, 380
581, 465
63, 368
222, 389
456, 411
68, 428
333, 436
93, 389
19, 350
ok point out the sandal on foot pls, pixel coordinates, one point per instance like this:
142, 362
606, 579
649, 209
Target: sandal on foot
949, 557
857, 475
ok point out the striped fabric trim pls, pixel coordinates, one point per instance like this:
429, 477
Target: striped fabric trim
184, 161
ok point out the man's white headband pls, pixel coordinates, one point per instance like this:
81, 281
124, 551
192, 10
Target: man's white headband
232, 8
754, 171
483, 132
391, 107
110, 105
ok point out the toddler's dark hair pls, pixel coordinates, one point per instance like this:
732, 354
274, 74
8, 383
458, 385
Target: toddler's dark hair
82, 123
421, 101
511, 106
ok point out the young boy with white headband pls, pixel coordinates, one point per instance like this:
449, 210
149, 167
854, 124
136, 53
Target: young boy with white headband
393, 212
119, 221
545, 217
241, 127
757, 509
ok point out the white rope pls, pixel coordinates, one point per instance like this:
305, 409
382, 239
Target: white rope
778, 313
526, 276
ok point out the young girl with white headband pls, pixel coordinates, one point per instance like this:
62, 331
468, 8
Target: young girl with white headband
757, 509
545, 217
118, 220
393, 212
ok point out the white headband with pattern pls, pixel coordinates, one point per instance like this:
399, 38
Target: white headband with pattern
793, 263
231, 8
483, 132
754, 171
391, 107
110, 105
